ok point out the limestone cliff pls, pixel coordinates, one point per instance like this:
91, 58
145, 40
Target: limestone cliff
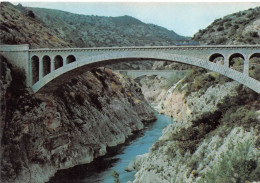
154, 88
71, 126
215, 138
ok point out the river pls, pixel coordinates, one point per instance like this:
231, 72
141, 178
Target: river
99, 171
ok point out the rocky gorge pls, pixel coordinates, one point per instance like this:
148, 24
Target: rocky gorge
215, 138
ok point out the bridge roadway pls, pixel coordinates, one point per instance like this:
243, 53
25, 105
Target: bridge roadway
46, 69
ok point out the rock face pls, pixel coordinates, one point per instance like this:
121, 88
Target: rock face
20, 28
154, 87
73, 125
238, 28
184, 108
215, 138
5, 82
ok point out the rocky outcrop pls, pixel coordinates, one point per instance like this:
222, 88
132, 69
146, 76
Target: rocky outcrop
183, 108
227, 155
5, 83
47, 132
154, 88
235, 29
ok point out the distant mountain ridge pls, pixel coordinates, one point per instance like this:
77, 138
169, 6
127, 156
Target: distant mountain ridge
41, 27
97, 31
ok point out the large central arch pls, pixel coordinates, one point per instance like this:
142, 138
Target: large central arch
63, 74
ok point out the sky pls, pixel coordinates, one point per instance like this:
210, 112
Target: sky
184, 18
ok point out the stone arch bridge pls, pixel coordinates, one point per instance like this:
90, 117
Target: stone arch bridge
46, 69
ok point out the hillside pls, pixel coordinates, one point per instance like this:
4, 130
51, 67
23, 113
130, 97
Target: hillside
238, 28
19, 28
98, 31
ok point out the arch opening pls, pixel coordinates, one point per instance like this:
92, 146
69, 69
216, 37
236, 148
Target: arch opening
254, 66
70, 59
236, 62
217, 58
35, 69
58, 62
46, 62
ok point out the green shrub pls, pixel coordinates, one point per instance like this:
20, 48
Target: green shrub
236, 26
241, 116
227, 24
31, 14
255, 72
221, 40
198, 80
235, 166
250, 15
220, 28
253, 34
156, 145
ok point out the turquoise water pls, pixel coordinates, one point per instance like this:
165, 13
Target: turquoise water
100, 170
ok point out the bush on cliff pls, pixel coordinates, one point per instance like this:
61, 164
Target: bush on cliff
241, 116
200, 80
237, 164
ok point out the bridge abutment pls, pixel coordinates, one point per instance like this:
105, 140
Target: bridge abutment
18, 57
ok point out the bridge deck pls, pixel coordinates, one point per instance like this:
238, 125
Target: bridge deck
47, 68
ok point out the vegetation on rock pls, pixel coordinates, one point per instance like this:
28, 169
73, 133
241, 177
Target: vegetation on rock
237, 28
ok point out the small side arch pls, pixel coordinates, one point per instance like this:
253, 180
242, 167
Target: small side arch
254, 66
217, 58
236, 61
46, 63
70, 59
254, 55
35, 69
58, 62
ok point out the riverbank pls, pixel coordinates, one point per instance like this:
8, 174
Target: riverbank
117, 159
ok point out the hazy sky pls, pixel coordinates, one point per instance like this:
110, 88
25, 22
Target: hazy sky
183, 18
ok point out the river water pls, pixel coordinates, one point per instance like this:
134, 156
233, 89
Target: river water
99, 171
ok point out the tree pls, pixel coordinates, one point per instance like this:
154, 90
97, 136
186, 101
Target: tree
31, 14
